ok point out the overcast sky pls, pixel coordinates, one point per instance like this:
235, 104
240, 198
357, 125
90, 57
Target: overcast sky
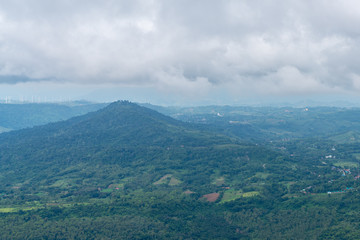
179, 51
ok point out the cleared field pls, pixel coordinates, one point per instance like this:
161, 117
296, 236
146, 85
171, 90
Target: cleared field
8, 210
174, 181
169, 180
16, 209
163, 180
61, 184
346, 164
231, 195
219, 181
211, 197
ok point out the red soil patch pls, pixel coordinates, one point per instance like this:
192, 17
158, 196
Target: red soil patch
189, 192
211, 197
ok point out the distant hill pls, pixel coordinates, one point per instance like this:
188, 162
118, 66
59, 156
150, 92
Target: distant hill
18, 116
269, 123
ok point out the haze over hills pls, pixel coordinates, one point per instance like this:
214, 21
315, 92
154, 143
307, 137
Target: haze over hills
18, 116
270, 123
244, 122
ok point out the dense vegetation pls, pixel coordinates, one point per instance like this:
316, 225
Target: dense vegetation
269, 123
128, 172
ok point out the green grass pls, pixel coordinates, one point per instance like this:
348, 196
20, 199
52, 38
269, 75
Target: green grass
61, 184
250, 194
168, 179
8, 210
219, 181
17, 209
163, 180
346, 164
232, 194
174, 182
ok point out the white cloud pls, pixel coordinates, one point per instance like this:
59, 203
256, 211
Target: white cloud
189, 47
173, 81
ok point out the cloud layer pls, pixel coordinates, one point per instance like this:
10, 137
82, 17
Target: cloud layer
187, 47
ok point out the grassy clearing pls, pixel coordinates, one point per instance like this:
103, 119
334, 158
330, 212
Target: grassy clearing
219, 181
173, 182
346, 164
36, 205
17, 209
250, 194
8, 210
113, 187
61, 184
169, 180
163, 180
231, 195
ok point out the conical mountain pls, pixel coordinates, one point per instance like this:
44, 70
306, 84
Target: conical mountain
137, 159
122, 123
123, 133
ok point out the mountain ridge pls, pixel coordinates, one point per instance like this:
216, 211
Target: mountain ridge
123, 120
122, 133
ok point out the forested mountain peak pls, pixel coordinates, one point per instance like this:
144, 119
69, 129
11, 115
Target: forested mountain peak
126, 164
131, 115
120, 125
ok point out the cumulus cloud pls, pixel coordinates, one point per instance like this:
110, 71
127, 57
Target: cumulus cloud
174, 81
267, 47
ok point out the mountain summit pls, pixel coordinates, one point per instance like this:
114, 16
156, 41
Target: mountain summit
121, 123
129, 160
122, 133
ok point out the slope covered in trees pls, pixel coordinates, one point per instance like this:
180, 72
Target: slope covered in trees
271, 123
128, 172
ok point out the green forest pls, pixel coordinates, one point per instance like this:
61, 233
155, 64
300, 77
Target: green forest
126, 171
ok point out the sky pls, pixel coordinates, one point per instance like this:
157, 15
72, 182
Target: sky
180, 52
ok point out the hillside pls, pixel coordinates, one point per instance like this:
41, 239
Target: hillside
128, 172
122, 139
269, 123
